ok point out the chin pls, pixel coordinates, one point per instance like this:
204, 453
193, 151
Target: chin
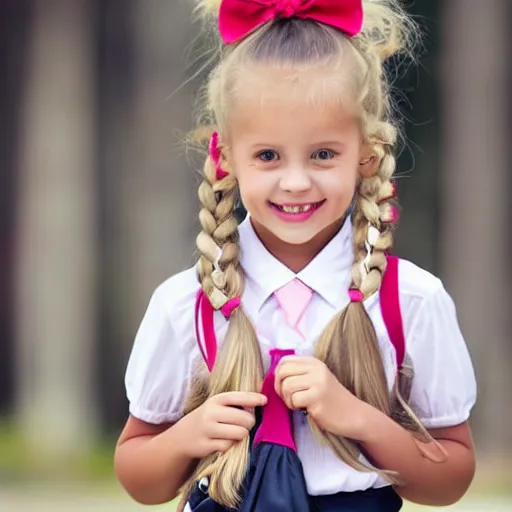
299, 236
320, 229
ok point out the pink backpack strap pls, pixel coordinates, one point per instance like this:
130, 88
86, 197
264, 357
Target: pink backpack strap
205, 329
390, 306
389, 303
205, 324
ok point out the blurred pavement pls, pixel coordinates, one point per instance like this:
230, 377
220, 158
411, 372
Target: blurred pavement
49, 499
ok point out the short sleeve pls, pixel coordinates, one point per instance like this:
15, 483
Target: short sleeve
157, 373
444, 386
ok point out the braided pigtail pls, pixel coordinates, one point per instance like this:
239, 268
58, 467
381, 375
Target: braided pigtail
377, 208
238, 366
349, 345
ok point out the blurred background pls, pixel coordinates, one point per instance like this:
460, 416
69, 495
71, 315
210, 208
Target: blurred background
98, 206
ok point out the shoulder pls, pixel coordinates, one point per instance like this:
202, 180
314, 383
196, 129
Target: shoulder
177, 294
426, 306
418, 288
428, 311
416, 283
444, 386
163, 352
166, 329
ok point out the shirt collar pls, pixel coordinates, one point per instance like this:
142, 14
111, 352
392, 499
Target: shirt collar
328, 274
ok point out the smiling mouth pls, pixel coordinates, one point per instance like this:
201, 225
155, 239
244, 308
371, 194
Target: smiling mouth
298, 208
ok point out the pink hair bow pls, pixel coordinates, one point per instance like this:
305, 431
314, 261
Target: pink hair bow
238, 18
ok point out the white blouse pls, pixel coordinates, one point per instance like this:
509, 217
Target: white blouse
165, 349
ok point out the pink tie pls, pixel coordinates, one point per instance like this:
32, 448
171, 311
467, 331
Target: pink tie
293, 298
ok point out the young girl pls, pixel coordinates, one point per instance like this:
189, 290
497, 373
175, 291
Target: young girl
300, 312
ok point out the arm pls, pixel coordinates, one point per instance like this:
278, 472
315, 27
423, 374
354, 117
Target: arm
150, 461
153, 462
443, 393
424, 480
436, 473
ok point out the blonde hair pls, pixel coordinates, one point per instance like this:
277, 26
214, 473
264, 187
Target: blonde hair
348, 345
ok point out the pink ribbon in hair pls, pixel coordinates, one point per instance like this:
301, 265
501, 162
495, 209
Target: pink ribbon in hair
238, 18
215, 156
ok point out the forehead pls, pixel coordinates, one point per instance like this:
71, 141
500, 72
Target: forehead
291, 103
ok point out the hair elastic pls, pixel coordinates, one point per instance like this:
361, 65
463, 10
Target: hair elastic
355, 295
390, 215
230, 306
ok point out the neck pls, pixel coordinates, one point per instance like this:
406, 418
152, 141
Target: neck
297, 256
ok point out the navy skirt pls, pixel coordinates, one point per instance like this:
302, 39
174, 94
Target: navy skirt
384, 499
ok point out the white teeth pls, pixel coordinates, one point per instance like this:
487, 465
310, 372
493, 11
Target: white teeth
296, 209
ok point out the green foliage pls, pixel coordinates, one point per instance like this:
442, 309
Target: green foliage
18, 462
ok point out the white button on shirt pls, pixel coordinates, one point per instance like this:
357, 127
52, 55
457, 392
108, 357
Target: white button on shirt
165, 349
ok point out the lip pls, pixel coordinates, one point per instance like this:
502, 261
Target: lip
295, 217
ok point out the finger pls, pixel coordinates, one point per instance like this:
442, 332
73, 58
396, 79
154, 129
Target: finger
243, 399
303, 361
232, 416
302, 399
287, 399
291, 387
292, 365
289, 370
228, 432
221, 445
293, 384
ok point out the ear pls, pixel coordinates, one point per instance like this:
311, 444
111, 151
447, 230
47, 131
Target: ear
368, 163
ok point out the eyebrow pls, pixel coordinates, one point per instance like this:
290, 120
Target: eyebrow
261, 145
329, 143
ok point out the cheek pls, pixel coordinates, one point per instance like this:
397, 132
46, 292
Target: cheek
339, 185
254, 187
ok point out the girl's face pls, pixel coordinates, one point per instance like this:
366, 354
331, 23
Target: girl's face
297, 163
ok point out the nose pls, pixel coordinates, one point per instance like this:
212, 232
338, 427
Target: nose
295, 179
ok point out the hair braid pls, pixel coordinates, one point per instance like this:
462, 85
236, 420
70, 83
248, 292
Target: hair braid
385, 138
218, 265
238, 366
349, 345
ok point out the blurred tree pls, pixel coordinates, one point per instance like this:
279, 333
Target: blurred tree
159, 205
150, 204
475, 228
56, 277
14, 20
416, 94
115, 137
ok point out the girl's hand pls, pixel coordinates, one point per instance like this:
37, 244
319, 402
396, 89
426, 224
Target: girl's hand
306, 383
222, 421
